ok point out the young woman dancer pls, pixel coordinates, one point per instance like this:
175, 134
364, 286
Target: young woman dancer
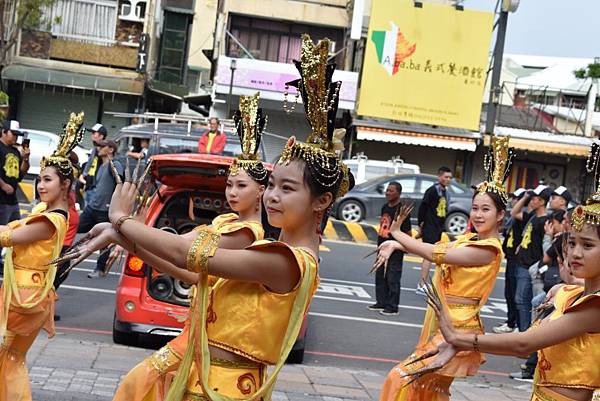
27, 295
568, 339
465, 276
264, 290
245, 186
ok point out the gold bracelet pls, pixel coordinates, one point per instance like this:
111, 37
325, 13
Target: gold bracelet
476, 343
6, 239
204, 246
439, 253
120, 222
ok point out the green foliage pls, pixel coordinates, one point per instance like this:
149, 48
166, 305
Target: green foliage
591, 71
30, 15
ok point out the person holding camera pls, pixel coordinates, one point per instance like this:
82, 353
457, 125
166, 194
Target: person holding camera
530, 250
14, 163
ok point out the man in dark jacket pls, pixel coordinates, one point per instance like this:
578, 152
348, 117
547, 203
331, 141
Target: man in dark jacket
432, 217
512, 239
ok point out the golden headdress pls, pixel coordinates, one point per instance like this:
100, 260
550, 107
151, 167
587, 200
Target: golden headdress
250, 123
497, 163
590, 212
69, 138
320, 98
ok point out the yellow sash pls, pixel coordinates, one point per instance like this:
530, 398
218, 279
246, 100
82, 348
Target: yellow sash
198, 348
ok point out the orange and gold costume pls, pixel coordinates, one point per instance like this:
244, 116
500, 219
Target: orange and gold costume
570, 364
147, 381
474, 282
27, 301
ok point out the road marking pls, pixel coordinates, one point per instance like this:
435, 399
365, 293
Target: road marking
90, 289
485, 308
373, 285
81, 330
79, 269
365, 320
343, 290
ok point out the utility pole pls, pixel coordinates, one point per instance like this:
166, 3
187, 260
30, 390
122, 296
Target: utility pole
495, 89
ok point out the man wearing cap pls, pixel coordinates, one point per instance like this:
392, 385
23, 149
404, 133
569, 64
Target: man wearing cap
561, 197
530, 249
14, 163
512, 238
88, 178
96, 210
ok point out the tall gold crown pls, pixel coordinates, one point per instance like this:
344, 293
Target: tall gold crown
320, 99
590, 212
497, 163
250, 124
69, 139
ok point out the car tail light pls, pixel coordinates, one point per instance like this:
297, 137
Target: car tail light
134, 266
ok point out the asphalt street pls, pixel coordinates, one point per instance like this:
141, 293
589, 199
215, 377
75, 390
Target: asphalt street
342, 332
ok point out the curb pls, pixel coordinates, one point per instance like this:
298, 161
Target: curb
352, 232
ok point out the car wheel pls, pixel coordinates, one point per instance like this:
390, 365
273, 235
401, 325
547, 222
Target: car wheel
456, 223
351, 210
121, 337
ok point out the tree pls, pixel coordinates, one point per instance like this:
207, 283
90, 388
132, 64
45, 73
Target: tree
22, 14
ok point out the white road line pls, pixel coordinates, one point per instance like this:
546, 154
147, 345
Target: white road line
358, 301
90, 289
79, 269
360, 319
373, 285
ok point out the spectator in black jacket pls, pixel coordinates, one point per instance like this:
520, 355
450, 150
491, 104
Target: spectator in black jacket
512, 238
432, 217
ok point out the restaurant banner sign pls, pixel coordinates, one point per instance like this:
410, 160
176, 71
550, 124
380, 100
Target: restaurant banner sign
425, 64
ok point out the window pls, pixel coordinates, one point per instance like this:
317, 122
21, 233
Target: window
456, 189
409, 184
277, 41
173, 50
425, 184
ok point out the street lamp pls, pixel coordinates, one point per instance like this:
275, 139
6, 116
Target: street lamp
232, 67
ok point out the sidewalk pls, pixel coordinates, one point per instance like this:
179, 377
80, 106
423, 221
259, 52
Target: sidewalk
69, 369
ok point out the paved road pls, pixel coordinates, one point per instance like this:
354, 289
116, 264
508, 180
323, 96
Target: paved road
342, 332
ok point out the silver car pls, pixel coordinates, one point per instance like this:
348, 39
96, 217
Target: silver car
366, 199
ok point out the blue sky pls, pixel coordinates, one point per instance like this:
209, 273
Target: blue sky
564, 28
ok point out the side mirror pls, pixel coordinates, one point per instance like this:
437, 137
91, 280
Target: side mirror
381, 188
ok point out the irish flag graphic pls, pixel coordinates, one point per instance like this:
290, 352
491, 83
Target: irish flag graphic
392, 48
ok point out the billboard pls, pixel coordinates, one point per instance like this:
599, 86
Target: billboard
425, 64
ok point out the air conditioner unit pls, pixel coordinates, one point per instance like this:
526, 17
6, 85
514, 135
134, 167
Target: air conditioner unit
133, 10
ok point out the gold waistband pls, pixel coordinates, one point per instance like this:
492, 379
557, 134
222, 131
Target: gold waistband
29, 278
463, 306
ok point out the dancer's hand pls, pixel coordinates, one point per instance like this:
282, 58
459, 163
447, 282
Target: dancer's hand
123, 201
434, 300
443, 355
384, 251
100, 237
116, 253
403, 213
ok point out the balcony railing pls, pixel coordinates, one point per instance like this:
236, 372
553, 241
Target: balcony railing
88, 21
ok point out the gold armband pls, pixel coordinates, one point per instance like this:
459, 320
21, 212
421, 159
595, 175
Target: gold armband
439, 253
204, 246
6, 239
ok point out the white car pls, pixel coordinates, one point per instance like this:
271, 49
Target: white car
42, 143
365, 169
